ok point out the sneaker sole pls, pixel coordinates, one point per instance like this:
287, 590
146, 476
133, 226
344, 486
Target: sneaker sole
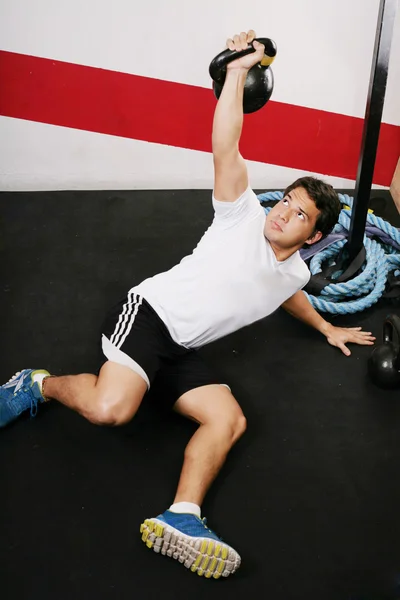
201, 555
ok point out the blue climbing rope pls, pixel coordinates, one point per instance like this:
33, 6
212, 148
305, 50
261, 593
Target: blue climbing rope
362, 291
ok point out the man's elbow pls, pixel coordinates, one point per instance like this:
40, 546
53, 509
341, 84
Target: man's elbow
288, 304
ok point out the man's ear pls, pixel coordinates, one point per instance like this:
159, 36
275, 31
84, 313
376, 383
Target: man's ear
316, 236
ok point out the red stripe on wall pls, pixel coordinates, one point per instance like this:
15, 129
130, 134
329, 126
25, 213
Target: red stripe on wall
109, 102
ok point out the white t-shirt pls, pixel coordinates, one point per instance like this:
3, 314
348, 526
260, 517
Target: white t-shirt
230, 280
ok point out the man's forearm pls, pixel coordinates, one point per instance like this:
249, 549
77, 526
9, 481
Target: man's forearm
228, 117
298, 306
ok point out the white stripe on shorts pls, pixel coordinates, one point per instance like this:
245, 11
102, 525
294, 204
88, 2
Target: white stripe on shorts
126, 319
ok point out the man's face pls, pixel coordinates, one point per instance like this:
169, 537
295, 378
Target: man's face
291, 222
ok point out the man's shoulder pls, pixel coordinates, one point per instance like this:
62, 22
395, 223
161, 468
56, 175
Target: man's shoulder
298, 267
248, 197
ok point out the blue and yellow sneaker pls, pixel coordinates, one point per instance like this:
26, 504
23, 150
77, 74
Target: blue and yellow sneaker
187, 538
22, 392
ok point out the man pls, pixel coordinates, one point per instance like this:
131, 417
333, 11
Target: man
245, 267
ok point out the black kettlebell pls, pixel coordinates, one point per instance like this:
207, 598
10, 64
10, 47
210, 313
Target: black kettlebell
384, 362
260, 80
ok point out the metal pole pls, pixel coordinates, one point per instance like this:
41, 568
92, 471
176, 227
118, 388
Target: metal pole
372, 124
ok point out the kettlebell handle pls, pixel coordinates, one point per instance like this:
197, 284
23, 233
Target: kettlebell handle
391, 326
219, 63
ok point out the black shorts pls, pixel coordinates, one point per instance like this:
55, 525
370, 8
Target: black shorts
136, 330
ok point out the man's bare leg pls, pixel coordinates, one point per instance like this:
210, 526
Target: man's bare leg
112, 398
222, 423
178, 532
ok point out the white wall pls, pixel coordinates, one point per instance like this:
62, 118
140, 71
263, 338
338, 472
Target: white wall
324, 60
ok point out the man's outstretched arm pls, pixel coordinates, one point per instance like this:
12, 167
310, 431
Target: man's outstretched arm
230, 171
298, 306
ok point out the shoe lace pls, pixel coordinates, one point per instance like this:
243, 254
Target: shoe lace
33, 399
20, 404
34, 406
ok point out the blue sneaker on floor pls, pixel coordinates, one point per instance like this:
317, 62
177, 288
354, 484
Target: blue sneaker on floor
21, 393
187, 538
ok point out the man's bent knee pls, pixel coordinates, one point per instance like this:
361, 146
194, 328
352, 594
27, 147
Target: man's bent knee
238, 427
117, 396
107, 409
106, 414
241, 426
231, 426
216, 406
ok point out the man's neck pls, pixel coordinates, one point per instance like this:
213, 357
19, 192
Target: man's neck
282, 254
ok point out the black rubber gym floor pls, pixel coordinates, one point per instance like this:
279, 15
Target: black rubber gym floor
309, 497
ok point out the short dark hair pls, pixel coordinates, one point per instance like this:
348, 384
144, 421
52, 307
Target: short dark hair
326, 200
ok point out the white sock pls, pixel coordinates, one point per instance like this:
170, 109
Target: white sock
186, 507
38, 378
